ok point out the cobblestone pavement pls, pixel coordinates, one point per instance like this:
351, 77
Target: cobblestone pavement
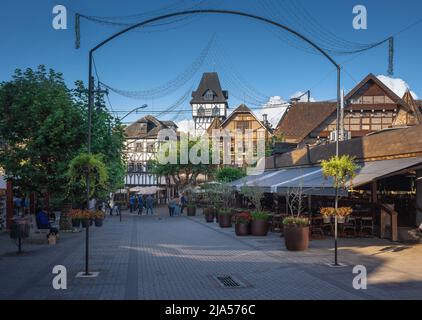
180, 258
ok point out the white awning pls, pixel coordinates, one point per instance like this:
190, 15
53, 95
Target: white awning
312, 181
376, 170
146, 190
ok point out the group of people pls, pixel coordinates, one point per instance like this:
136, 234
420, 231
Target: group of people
140, 203
177, 205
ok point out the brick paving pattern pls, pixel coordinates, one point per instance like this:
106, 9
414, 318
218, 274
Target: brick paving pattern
179, 257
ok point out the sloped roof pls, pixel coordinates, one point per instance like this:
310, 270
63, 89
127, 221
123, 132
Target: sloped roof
133, 131
209, 81
387, 90
396, 143
215, 124
408, 98
170, 124
243, 109
303, 117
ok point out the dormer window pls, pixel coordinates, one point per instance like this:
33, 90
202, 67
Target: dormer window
209, 95
143, 127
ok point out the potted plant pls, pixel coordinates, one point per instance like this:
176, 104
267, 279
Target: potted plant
296, 233
327, 213
191, 209
86, 218
99, 218
259, 223
209, 214
242, 223
342, 170
75, 216
342, 213
296, 227
225, 218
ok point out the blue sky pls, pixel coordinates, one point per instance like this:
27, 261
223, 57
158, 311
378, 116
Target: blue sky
265, 59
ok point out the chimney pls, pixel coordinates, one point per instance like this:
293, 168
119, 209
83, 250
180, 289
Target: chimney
265, 118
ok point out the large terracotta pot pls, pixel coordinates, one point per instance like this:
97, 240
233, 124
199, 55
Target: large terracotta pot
209, 214
225, 220
296, 238
242, 229
259, 228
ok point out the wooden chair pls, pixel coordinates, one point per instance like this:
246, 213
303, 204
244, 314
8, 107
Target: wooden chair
317, 228
350, 225
367, 224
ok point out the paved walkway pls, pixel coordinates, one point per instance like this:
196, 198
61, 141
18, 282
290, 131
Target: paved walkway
180, 258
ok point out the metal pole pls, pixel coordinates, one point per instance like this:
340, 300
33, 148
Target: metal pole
337, 154
90, 105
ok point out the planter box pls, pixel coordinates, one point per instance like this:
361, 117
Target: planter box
225, 221
242, 229
296, 238
259, 228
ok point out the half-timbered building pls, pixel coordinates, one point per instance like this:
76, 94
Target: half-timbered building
208, 102
370, 107
239, 121
141, 148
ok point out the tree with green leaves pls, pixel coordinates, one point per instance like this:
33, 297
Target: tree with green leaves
87, 166
107, 135
183, 174
341, 169
41, 129
229, 174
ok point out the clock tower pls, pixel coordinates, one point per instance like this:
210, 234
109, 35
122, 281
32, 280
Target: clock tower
208, 102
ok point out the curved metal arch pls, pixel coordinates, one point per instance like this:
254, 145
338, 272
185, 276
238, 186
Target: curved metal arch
209, 11
216, 11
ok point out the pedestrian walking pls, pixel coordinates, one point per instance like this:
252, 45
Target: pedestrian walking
132, 203
140, 205
183, 203
150, 204
172, 206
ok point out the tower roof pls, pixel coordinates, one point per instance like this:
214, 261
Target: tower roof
209, 82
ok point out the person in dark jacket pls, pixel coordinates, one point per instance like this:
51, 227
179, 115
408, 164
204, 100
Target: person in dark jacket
43, 222
140, 204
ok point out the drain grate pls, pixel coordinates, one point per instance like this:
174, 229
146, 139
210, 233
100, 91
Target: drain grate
228, 282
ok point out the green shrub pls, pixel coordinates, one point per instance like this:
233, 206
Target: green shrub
259, 216
224, 212
296, 222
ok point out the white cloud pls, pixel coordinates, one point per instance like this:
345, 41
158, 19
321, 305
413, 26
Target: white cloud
398, 86
186, 126
274, 109
304, 97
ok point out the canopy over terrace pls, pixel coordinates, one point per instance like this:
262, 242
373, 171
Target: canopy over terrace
146, 190
312, 181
